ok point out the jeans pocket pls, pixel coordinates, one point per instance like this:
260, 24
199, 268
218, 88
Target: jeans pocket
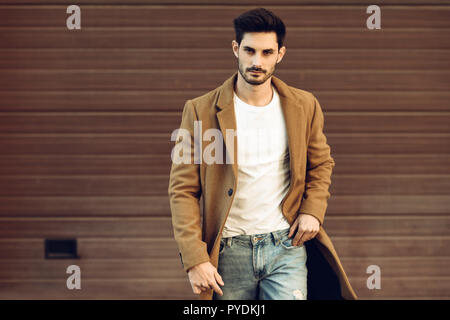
287, 244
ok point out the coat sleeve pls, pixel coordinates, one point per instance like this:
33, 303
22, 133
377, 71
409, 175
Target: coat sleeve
318, 170
184, 196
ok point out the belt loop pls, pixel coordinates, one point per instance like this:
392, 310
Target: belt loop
276, 238
229, 242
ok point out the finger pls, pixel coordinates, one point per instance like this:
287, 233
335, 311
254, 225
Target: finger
298, 236
215, 287
218, 278
292, 229
196, 290
204, 287
305, 237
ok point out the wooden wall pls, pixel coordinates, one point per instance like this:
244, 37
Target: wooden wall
86, 118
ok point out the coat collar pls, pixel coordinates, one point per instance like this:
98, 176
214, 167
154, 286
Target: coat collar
227, 119
226, 91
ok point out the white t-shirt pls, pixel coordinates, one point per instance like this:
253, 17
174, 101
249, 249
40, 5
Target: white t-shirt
263, 169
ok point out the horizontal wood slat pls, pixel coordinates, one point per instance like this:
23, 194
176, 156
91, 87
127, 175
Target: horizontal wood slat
98, 289
85, 205
141, 185
395, 164
370, 248
425, 225
174, 59
96, 248
162, 122
181, 37
120, 144
89, 206
165, 100
310, 80
212, 16
98, 268
408, 287
154, 164
170, 268
388, 204
366, 250
387, 225
95, 165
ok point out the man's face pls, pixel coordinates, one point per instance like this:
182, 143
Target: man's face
257, 56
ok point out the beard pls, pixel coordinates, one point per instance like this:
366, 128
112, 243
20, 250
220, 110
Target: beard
250, 79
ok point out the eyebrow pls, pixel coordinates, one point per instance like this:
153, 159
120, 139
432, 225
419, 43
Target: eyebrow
247, 47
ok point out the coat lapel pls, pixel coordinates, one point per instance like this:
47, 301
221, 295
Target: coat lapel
227, 119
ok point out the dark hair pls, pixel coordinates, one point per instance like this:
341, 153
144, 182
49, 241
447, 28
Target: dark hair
259, 20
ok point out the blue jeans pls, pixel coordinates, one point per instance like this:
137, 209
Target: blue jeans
262, 267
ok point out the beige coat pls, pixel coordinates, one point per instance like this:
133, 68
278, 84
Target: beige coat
196, 186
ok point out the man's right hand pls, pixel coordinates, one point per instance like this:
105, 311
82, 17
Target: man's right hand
205, 276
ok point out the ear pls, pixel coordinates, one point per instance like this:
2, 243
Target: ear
235, 47
281, 53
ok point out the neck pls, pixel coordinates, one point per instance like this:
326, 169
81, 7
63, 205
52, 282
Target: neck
255, 95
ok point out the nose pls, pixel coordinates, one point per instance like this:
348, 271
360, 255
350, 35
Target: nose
257, 62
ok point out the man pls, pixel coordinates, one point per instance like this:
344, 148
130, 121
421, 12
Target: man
260, 235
